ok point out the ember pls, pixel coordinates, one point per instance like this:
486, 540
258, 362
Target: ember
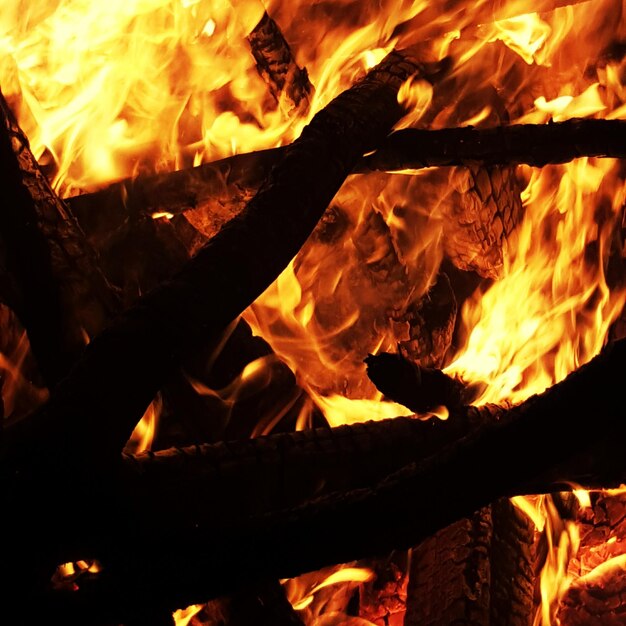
241, 244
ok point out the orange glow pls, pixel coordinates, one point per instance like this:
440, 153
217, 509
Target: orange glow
106, 90
327, 591
183, 617
142, 436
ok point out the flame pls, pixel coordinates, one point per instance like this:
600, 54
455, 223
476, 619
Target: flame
143, 434
543, 320
108, 90
183, 617
326, 592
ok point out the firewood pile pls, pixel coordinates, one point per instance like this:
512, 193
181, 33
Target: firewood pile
112, 299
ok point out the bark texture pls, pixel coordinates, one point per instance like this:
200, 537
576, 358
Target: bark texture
288, 83
219, 190
484, 209
449, 578
124, 367
58, 287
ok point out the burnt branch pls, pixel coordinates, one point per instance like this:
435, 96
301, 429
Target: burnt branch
217, 187
503, 456
288, 83
94, 410
58, 287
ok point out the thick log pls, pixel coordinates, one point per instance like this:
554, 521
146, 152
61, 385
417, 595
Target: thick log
58, 287
220, 189
512, 562
398, 511
283, 544
288, 83
123, 367
420, 389
449, 578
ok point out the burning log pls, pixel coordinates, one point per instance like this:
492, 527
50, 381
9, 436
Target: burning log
449, 577
383, 600
220, 189
420, 389
268, 536
536, 145
485, 208
125, 365
258, 243
60, 289
512, 559
288, 83
431, 322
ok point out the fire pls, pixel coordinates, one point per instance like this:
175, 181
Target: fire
567, 306
143, 435
109, 90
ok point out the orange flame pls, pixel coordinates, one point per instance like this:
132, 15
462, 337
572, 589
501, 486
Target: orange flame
107, 90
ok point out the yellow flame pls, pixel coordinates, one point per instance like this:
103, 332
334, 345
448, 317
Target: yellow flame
182, 617
143, 434
107, 90
551, 311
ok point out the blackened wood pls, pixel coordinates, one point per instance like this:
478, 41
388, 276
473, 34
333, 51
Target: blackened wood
532, 144
288, 83
431, 321
124, 366
220, 189
60, 291
512, 563
450, 575
421, 389
396, 512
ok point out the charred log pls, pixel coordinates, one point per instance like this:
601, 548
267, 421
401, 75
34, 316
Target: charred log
512, 562
449, 579
288, 83
220, 189
485, 209
420, 389
395, 512
58, 286
531, 144
431, 321
124, 367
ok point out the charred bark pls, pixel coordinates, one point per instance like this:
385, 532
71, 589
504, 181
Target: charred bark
431, 321
449, 578
420, 389
124, 367
484, 210
288, 83
512, 563
220, 189
58, 287
272, 537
